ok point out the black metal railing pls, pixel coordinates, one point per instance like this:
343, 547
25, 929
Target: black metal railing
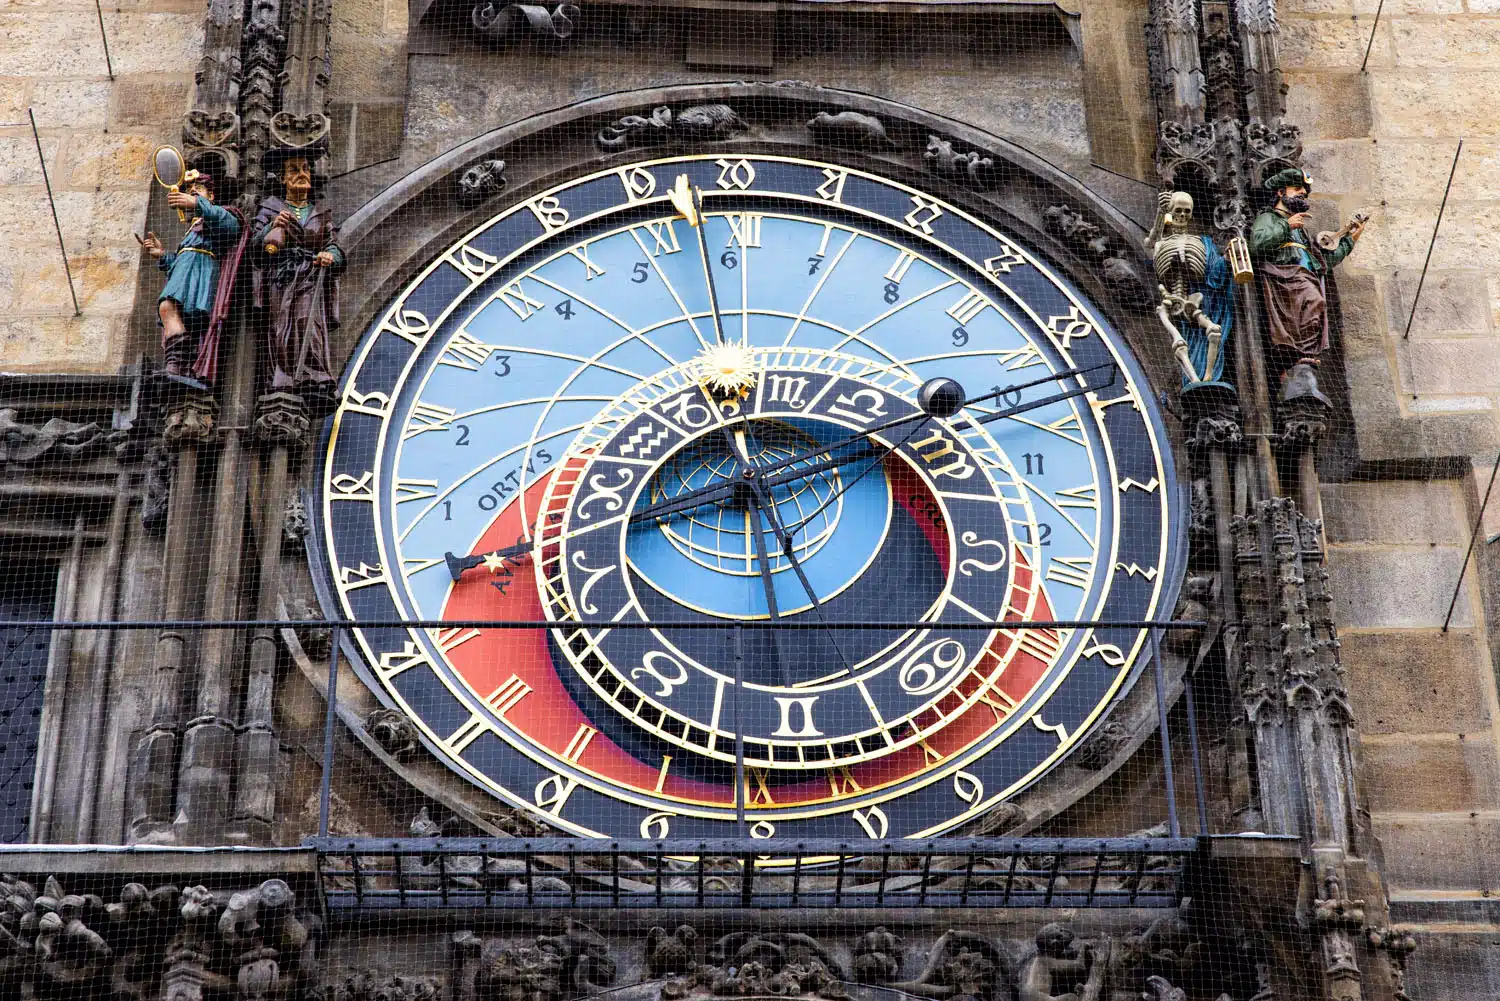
365, 874
380, 874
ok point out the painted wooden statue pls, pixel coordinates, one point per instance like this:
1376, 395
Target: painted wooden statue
297, 267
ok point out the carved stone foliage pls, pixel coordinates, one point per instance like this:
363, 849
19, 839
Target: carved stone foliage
850, 129
497, 22
699, 123
1270, 148
481, 181
294, 523
972, 168
161, 942
1119, 272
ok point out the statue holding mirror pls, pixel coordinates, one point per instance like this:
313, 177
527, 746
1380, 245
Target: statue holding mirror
200, 271
296, 280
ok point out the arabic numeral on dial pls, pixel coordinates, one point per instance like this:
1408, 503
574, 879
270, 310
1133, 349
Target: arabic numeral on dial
1043, 534
960, 337
729, 260
1039, 470
463, 434
447, 510
1009, 397
502, 366
812, 265
565, 309
892, 292
640, 272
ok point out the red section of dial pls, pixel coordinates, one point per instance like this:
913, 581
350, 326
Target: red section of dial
546, 714
514, 672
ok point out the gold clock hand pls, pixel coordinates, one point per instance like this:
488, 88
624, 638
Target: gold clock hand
699, 222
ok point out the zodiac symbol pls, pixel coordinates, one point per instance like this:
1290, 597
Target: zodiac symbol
649, 435
648, 666
610, 495
973, 539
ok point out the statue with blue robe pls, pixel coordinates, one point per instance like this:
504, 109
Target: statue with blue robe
192, 305
1196, 285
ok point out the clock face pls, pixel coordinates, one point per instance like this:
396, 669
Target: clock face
685, 395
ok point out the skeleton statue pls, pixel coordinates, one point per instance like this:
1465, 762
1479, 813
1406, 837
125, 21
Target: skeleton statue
1186, 266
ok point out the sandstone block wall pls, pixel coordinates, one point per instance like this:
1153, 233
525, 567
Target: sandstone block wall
97, 136
1384, 140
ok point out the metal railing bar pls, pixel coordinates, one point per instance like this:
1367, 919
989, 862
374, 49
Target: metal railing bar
158, 624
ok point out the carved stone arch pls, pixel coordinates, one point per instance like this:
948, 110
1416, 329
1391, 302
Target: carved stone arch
1093, 243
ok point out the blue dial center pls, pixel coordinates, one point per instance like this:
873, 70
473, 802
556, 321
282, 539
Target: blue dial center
707, 558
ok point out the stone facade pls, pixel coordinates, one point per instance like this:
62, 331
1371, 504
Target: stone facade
97, 136
1404, 466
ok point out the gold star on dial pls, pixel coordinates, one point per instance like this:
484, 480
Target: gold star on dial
494, 562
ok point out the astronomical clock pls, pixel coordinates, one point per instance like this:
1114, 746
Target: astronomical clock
755, 463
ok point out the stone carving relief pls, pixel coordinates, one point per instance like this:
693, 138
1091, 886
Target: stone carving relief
972, 168
1119, 272
373, 986
161, 942
699, 123
55, 441
850, 129
394, 732
481, 181
571, 964
499, 22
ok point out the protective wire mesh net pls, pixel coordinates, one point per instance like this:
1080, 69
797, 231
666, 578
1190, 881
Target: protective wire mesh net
878, 500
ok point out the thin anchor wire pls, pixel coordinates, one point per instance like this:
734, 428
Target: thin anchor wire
103, 37
1371, 43
1473, 537
1433, 242
67, 268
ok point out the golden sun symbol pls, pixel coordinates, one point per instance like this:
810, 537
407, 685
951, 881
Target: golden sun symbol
728, 368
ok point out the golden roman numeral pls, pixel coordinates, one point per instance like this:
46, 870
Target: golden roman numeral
744, 229
1044, 644
508, 695
429, 417
590, 269
968, 307
841, 782
414, 489
1071, 570
665, 238
467, 352
897, 271
757, 792
393, 662
1086, 496
519, 302
448, 639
